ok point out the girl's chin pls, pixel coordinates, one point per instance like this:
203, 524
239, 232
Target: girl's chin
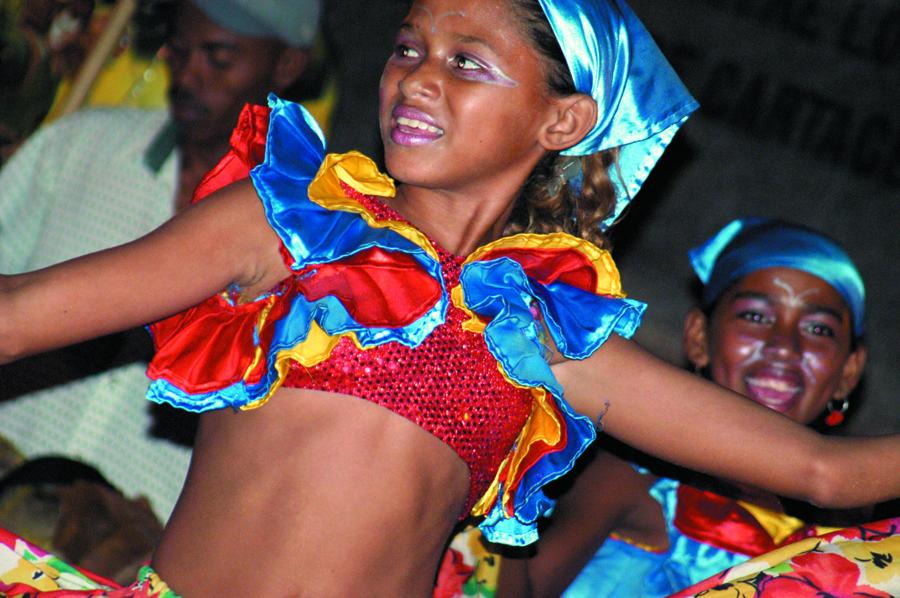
410, 170
781, 401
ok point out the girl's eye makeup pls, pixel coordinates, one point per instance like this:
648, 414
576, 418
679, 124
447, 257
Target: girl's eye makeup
479, 70
404, 50
465, 63
462, 63
755, 316
819, 329
753, 309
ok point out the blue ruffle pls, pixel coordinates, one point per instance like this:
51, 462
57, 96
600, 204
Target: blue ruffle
313, 235
316, 235
579, 322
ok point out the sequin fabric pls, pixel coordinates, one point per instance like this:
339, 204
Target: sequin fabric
449, 385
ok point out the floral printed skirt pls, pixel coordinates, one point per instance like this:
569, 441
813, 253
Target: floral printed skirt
856, 561
27, 571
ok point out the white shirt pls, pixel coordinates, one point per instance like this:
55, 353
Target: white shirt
76, 186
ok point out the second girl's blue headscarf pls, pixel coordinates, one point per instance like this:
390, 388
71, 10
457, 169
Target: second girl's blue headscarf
750, 244
641, 101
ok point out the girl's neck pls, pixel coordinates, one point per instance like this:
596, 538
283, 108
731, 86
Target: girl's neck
459, 223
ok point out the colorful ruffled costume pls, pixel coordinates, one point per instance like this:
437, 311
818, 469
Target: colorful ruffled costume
707, 533
711, 538
376, 309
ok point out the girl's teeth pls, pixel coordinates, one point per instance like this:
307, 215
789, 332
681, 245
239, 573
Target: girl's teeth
418, 124
777, 385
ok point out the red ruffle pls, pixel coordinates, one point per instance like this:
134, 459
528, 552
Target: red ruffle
548, 266
722, 522
248, 148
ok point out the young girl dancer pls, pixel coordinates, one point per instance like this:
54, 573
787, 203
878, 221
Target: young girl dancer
339, 287
781, 322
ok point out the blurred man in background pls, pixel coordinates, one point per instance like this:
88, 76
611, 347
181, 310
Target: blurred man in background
103, 177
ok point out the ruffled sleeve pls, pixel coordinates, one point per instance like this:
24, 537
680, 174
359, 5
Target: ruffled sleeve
373, 281
379, 280
512, 289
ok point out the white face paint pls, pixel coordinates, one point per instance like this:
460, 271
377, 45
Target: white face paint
471, 66
793, 298
781, 337
463, 97
435, 20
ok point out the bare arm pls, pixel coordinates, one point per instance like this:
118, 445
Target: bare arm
222, 240
605, 496
682, 418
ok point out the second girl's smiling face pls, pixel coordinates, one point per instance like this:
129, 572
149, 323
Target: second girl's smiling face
462, 97
782, 337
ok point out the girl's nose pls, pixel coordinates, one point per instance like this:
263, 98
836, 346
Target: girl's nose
422, 81
783, 342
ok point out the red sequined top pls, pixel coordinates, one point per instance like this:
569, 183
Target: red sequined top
449, 385
367, 286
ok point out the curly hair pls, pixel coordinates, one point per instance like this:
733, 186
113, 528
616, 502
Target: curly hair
542, 206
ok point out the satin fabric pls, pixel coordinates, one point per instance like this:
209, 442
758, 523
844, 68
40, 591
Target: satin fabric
735, 525
856, 561
378, 281
746, 245
621, 568
241, 359
576, 289
710, 536
641, 101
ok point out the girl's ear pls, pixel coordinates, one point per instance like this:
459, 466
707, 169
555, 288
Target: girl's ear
291, 64
852, 372
572, 118
695, 339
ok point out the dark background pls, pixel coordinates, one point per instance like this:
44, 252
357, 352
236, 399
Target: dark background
799, 119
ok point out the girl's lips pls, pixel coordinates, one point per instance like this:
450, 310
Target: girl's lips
413, 127
775, 391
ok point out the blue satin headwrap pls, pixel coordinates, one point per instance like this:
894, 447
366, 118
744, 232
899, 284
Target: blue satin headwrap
750, 244
641, 101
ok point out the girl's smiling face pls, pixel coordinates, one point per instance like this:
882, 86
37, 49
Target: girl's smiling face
783, 337
463, 97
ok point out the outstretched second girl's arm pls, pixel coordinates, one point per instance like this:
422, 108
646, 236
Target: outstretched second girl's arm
670, 413
223, 240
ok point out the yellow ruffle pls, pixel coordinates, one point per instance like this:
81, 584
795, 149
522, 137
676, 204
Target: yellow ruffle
778, 525
608, 280
542, 425
360, 174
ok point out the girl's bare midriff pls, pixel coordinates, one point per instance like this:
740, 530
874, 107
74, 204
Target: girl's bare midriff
313, 494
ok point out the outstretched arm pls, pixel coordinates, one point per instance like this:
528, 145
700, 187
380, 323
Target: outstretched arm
607, 494
224, 239
682, 418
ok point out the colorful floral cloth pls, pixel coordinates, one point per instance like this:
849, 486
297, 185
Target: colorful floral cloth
26, 571
707, 533
857, 561
469, 569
